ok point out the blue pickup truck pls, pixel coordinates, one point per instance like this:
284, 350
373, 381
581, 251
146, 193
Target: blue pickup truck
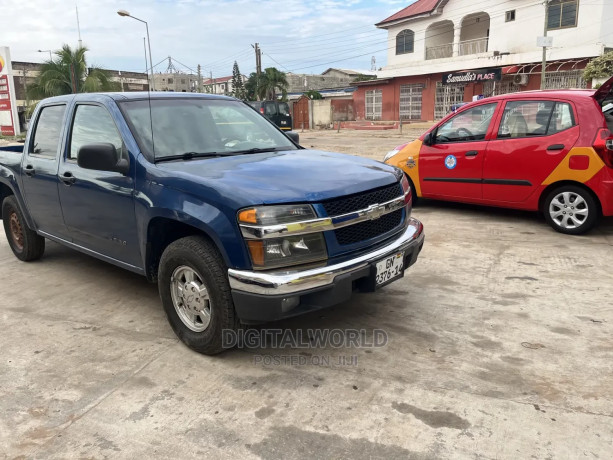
235, 221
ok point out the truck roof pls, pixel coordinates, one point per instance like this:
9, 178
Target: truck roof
117, 96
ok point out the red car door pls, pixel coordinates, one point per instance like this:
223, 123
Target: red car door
532, 139
451, 166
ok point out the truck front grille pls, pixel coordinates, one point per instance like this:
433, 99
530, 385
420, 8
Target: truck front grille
370, 229
362, 200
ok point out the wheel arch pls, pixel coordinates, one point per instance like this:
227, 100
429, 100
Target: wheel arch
5, 191
161, 232
562, 183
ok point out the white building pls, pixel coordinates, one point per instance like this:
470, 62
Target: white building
431, 39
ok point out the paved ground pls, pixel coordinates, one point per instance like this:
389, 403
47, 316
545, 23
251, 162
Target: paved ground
500, 346
371, 144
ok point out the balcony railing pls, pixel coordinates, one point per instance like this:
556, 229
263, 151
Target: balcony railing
440, 51
476, 46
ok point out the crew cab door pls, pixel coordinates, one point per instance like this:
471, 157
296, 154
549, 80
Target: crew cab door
534, 136
98, 206
452, 166
39, 170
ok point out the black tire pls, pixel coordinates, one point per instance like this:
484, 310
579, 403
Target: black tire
200, 255
571, 210
25, 243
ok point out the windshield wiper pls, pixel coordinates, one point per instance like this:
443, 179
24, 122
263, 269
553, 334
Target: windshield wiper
255, 150
189, 156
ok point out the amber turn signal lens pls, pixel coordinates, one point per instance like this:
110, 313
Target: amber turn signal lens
248, 216
256, 248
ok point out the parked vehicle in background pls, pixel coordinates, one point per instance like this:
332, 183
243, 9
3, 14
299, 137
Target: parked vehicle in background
275, 111
235, 221
547, 151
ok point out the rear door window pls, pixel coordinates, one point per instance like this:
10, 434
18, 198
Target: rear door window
283, 108
535, 118
46, 140
270, 109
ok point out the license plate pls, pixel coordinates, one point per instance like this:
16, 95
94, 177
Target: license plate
389, 269
283, 122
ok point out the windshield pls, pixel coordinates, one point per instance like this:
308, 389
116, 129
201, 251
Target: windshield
201, 126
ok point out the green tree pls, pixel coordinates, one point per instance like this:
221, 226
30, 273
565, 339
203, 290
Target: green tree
270, 82
68, 73
273, 80
238, 87
600, 67
312, 94
251, 87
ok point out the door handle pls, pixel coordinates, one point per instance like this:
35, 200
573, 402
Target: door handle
68, 178
555, 147
29, 170
471, 153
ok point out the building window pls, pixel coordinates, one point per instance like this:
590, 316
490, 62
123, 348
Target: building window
410, 102
170, 81
374, 104
510, 16
562, 13
405, 41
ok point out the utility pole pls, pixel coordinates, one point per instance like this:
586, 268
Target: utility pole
79, 27
199, 69
25, 91
213, 89
258, 68
544, 62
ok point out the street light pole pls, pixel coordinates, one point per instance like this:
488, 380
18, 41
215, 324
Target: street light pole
46, 51
124, 13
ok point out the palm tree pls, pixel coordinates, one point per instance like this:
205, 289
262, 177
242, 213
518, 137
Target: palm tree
271, 80
67, 74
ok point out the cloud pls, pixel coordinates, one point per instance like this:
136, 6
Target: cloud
295, 33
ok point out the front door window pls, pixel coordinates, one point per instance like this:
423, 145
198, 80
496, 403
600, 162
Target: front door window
469, 125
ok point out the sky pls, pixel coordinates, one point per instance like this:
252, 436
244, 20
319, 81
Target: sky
301, 36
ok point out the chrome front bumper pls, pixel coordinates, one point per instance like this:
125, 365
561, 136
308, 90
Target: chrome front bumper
294, 281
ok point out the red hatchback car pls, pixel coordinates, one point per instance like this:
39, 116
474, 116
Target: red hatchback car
548, 151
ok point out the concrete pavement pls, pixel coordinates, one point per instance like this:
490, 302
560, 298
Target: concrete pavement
500, 346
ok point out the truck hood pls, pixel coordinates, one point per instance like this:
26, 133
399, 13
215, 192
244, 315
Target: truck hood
277, 177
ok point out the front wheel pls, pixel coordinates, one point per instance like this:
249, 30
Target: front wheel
25, 243
570, 209
195, 293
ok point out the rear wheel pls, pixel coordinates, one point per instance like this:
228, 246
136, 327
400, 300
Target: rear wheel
195, 293
570, 209
26, 244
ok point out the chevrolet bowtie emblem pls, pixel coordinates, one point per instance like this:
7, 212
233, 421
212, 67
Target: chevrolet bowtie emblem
375, 211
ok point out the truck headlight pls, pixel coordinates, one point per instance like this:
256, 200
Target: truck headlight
287, 250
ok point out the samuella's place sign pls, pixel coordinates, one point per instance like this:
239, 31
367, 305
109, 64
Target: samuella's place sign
473, 76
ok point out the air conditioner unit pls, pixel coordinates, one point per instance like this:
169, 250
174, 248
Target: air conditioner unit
521, 79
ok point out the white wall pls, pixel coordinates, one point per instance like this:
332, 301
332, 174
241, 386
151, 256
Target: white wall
322, 112
518, 38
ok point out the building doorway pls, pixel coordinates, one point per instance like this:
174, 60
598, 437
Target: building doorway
374, 104
410, 102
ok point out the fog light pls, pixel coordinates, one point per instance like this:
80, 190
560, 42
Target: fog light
289, 303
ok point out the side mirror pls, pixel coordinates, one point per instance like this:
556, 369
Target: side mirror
101, 157
429, 139
293, 136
